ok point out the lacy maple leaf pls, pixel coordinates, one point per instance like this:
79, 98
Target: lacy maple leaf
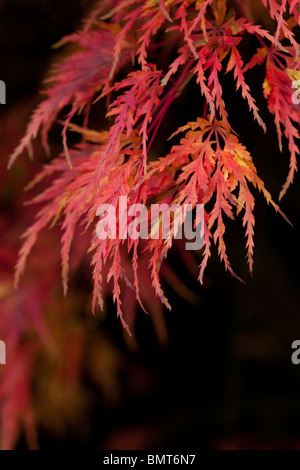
201, 41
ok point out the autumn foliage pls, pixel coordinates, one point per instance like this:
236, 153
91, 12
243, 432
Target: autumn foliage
208, 166
112, 61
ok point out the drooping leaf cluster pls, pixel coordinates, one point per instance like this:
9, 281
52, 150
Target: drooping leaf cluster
113, 59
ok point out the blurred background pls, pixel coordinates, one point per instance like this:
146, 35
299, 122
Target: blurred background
215, 373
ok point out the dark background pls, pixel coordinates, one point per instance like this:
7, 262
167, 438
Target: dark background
225, 379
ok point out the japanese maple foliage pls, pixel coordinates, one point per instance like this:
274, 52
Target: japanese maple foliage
113, 59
